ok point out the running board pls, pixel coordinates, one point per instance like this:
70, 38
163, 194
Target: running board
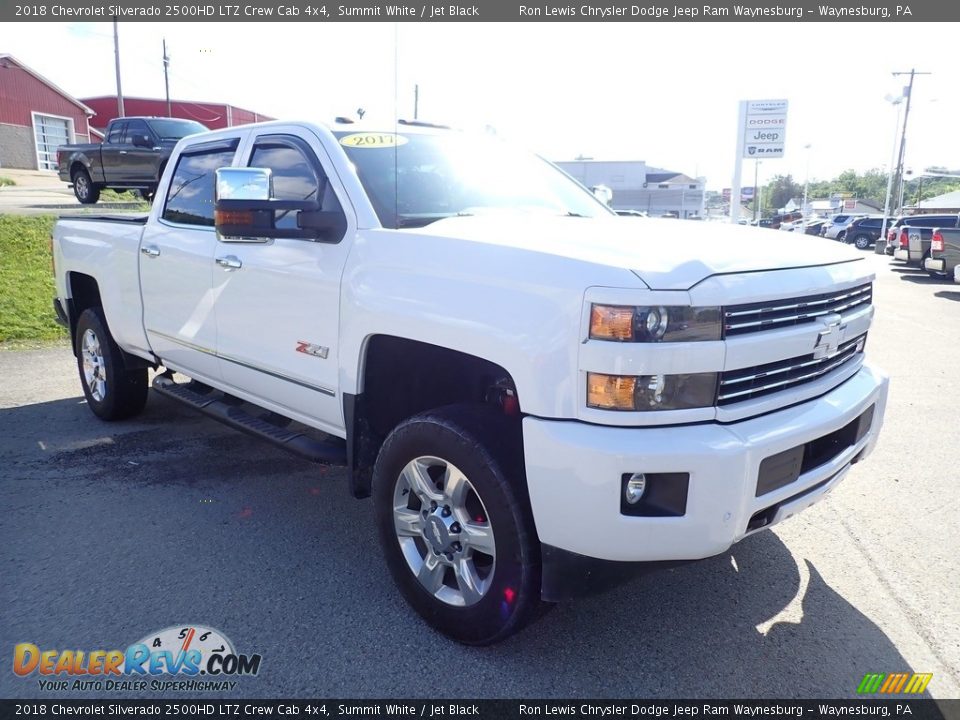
218, 407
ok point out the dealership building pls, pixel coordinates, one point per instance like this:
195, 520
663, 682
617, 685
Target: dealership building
637, 186
36, 117
213, 115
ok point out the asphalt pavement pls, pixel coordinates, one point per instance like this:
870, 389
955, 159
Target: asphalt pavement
110, 532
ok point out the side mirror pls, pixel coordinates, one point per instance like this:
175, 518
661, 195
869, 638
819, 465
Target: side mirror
246, 211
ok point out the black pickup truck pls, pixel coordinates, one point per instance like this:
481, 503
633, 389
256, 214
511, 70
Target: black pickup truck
132, 156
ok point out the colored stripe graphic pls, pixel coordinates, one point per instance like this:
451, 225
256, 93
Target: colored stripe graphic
870, 683
894, 683
919, 683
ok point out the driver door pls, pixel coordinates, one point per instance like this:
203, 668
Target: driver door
278, 303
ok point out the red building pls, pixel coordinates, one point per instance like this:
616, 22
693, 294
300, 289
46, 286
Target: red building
35, 117
213, 115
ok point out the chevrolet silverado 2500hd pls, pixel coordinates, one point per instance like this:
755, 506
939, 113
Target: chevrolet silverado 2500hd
538, 395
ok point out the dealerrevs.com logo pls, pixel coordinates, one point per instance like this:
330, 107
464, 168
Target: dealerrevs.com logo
201, 658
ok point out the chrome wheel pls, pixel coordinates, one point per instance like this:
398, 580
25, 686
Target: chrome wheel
444, 531
82, 185
94, 369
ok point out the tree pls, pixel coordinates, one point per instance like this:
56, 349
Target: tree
779, 191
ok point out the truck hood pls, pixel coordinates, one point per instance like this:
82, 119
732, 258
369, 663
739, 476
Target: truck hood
665, 254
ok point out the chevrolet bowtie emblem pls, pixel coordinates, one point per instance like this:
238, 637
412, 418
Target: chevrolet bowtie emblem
830, 337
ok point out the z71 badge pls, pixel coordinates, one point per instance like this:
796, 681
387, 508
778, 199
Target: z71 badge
310, 349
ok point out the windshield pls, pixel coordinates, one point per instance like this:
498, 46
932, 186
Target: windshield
413, 180
176, 129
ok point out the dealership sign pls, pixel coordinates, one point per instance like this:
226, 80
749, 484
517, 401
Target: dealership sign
764, 128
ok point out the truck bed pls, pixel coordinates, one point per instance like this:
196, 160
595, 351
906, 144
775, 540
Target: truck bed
102, 246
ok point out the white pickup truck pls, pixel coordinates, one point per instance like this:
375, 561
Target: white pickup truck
540, 396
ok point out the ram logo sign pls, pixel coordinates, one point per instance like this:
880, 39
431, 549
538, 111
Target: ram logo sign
894, 683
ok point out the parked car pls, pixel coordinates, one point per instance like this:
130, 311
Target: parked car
944, 260
533, 398
814, 227
836, 227
793, 225
132, 156
915, 234
895, 236
864, 232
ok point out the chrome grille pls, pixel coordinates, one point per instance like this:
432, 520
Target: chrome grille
773, 314
750, 382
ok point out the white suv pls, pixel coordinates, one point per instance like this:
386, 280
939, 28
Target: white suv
836, 229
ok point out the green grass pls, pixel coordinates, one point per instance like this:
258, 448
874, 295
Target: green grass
5, 181
114, 196
26, 281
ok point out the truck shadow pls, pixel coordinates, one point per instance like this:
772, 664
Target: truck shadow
273, 551
749, 623
948, 295
922, 278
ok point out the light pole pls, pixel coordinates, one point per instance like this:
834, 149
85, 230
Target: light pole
757, 210
806, 182
880, 247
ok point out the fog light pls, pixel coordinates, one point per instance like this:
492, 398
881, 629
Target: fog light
634, 488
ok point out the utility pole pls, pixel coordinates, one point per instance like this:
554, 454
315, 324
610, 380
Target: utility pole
416, 101
903, 136
116, 53
166, 76
757, 211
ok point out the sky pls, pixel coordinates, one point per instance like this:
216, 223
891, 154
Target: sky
665, 93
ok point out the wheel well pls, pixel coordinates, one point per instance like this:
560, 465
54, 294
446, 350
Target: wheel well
77, 165
84, 293
404, 377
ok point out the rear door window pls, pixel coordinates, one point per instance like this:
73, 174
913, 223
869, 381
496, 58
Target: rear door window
190, 198
116, 132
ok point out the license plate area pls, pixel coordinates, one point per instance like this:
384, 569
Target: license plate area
777, 471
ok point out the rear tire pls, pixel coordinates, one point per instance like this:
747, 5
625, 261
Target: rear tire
861, 241
455, 523
113, 392
83, 187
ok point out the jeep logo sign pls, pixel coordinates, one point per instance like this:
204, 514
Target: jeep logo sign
764, 128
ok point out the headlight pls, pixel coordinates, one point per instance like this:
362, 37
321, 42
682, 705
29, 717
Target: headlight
655, 323
651, 392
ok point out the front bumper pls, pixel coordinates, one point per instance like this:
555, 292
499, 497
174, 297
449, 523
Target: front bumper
937, 265
575, 470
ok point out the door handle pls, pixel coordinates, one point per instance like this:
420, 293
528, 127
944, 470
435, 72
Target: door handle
150, 250
230, 262
123, 152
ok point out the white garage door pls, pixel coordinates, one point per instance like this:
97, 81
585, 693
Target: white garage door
50, 132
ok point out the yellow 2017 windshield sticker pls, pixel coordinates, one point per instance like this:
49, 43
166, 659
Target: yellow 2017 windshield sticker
373, 140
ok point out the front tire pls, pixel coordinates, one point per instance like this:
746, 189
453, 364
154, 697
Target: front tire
84, 189
861, 241
113, 392
455, 522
